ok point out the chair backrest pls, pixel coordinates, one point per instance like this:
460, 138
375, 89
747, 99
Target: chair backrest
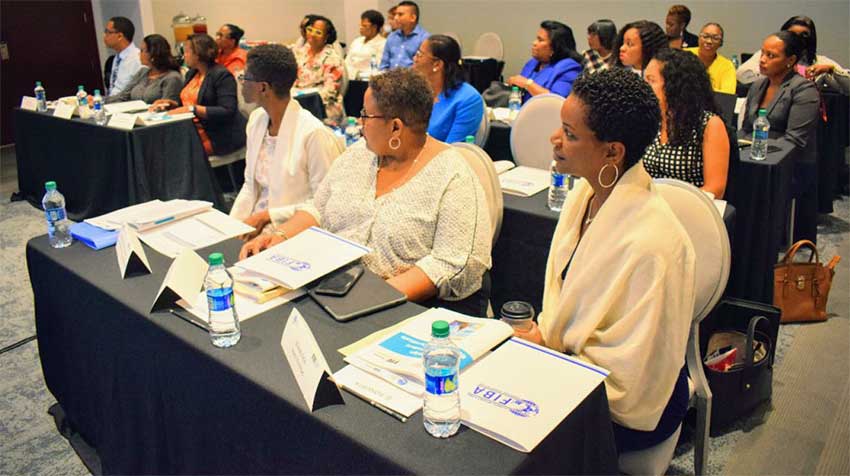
455, 37
246, 108
726, 107
482, 166
536, 121
489, 45
483, 132
703, 223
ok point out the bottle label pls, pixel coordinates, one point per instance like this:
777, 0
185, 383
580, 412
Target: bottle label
441, 384
220, 299
97, 106
558, 180
759, 135
55, 214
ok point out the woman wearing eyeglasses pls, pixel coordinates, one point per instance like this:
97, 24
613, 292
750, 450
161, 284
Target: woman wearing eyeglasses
409, 197
209, 93
458, 108
320, 66
288, 151
720, 69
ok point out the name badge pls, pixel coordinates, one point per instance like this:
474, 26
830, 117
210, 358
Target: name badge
121, 120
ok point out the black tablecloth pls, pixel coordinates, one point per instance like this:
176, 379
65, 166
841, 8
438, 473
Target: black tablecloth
353, 100
100, 169
152, 395
520, 254
832, 141
498, 144
313, 103
761, 193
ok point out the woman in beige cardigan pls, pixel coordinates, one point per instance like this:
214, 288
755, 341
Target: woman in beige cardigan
620, 275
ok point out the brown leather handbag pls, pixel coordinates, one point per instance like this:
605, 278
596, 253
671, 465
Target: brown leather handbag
802, 289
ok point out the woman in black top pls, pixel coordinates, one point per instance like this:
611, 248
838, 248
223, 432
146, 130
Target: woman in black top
209, 92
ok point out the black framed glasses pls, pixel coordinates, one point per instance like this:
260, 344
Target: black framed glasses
363, 115
107, 31
243, 78
709, 37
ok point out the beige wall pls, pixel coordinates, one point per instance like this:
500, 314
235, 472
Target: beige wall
746, 22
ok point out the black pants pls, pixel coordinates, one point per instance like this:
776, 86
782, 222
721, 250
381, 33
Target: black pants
628, 439
804, 189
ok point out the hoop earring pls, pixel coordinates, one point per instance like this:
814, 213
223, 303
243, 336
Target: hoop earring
616, 176
394, 145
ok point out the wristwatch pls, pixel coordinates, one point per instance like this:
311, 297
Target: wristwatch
528, 83
192, 109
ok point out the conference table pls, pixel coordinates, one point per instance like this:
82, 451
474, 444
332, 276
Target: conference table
759, 192
153, 396
100, 169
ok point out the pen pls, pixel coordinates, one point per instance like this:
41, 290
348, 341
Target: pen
188, 319
389, 412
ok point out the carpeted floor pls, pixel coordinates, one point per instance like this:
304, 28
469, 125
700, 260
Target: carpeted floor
30, 444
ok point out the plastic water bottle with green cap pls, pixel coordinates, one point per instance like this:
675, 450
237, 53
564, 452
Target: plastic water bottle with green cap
441, 359
40, 97
82, 96
99, 112
352, 132
58, 228
514, 103
223, 321
469, 139
761, 127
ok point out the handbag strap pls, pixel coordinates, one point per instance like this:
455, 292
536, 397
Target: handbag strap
751, 331
789, 256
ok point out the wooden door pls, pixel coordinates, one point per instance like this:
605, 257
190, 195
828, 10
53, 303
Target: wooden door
49, 41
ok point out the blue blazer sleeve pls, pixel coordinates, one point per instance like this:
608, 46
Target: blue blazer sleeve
470, 110
566, 71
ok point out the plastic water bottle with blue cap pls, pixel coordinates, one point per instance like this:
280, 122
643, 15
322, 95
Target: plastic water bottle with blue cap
558, 188
223, 321
40, 97
441, 406
58, 228
99, 112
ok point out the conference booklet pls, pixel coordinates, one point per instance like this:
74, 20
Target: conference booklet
397, 357
524, 181
303, 258
520, 392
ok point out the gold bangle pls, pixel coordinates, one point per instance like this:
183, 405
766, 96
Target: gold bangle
281, 234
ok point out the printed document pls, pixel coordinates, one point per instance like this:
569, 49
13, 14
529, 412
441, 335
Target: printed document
126, 106
150, 214
522, 391
303, 258
524, 181
193, 232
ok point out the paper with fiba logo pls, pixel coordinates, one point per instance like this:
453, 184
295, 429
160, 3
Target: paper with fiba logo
522, 391
303, 258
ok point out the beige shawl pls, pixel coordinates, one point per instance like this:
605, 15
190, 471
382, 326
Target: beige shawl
628, 298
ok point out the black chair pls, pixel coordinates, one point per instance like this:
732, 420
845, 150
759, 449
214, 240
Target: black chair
745, 57
726, 107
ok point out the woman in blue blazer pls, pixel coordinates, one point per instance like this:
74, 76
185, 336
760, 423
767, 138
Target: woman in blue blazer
554, 63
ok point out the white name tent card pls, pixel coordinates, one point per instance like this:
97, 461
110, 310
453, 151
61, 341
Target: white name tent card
308, 364
194, 232
522, 391
126, 106
303, 258
130, 253
29, 103
185, 277
122, 121
524, 181
64, 110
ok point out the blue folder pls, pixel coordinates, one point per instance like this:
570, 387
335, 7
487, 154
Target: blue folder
92, 236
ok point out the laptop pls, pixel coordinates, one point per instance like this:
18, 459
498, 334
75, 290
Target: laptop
369, 294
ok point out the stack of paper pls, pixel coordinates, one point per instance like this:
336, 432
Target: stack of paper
126, 106
524, 181
393, 363
151, 118
245, 308
303, 258
150, 214
256, 287
194, 232
519, 393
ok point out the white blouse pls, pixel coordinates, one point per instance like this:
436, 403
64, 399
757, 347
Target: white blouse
437, 221
261, 175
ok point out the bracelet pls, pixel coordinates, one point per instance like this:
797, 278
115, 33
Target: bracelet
281, 234
528, 83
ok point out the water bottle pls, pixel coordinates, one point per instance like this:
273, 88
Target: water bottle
469, 139
557, 189
82, 96
58, 228
373, 66
99, 113
735, 62
441, 407
514, 103
352, 132
223, 322
760, 129
40, 97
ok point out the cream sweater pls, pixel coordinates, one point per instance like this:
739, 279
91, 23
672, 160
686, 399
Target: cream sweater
628, 298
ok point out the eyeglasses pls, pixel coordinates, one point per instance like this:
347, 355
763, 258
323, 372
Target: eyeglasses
714, 38
422, 54
363, 115
314, 31
245, 78
107, 31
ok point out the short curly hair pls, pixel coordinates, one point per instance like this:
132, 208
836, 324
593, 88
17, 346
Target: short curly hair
652, 39
274, 64
688, 92
405, 94
620, 107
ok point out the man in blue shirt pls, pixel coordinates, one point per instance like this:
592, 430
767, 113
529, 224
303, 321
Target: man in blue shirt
403, 43
118, 36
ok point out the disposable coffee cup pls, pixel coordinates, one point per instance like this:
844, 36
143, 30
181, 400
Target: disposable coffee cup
518, 314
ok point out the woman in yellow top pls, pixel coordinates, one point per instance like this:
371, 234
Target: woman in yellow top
721, 71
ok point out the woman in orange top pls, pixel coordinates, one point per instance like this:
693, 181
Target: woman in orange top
210, 94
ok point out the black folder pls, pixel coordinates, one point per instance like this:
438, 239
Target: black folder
369, 294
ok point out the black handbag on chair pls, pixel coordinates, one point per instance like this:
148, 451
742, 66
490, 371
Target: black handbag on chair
752, 328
